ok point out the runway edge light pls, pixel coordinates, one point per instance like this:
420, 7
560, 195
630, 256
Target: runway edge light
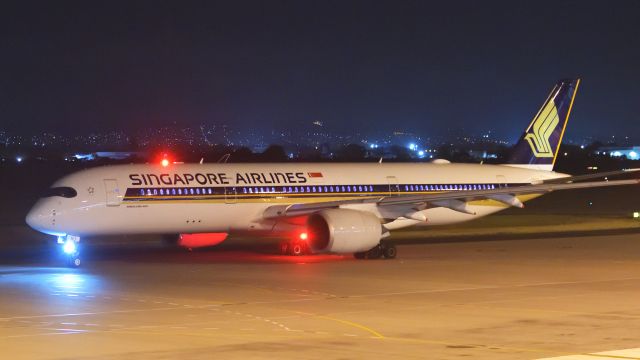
636, 215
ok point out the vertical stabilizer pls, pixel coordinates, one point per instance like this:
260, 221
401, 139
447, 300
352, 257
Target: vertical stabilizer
538, 146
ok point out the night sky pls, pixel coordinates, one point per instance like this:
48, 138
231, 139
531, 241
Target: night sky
76, 67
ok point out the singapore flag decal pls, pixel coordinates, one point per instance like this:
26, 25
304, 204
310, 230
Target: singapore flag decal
315, 177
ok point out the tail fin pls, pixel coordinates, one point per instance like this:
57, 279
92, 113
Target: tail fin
538, 146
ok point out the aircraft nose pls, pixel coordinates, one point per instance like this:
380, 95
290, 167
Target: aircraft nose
40, 217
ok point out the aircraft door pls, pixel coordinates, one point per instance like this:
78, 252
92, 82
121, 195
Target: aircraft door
230, 195
394, 188
502, 181
114, 195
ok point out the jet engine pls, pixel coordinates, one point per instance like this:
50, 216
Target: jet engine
343, 231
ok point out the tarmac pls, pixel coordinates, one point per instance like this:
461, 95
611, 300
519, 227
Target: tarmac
552, 297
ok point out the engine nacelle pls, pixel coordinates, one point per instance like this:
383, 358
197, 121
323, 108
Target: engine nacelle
343, 231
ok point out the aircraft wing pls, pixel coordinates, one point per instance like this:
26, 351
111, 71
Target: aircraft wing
455, 200
569, 179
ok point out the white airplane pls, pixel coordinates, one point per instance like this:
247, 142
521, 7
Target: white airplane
323, 208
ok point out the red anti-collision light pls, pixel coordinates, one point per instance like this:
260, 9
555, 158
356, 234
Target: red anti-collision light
164, 162
304, 236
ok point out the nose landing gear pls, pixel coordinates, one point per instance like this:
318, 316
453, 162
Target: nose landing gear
384, 249
74, 261
70, 250
294, 247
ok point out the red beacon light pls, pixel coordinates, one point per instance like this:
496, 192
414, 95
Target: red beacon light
303, 236
164, 162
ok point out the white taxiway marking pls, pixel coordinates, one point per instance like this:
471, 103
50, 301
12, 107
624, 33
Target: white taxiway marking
489, 287
626, 354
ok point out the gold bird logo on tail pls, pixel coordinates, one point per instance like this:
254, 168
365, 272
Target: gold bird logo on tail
543, 127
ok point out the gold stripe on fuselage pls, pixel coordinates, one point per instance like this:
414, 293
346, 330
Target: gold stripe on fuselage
295, 199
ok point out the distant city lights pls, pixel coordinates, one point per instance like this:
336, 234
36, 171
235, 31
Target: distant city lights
631, 153
295, 142
84, 156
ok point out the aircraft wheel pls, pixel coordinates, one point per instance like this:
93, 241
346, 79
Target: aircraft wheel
374, 253
390, 251
74, 261
297, 249
284, 248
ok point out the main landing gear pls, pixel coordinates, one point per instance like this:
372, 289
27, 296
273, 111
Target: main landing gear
294, 248
298, 247
70, 250
384, 249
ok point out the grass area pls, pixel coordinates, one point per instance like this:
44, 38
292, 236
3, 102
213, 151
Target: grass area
521, 224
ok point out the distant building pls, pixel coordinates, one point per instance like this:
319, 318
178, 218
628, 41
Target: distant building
482, 154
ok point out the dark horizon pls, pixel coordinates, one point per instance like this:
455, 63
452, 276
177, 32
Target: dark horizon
76, 67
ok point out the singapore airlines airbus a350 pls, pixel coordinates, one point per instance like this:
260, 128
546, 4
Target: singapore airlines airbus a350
325, 208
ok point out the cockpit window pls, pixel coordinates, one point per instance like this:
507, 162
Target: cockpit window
63, 191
